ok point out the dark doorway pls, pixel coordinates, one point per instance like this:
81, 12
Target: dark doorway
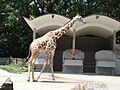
63, 43
89, 62
90, 45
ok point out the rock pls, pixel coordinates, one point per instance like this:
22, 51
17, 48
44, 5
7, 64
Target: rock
7, 85
91, 86
94, 86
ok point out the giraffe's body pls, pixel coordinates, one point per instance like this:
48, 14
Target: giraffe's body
47, 44
39, 44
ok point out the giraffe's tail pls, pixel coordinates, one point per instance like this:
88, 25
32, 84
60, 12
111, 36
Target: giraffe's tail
28, 55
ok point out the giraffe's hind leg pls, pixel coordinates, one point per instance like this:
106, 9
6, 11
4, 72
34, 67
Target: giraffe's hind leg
31, 63
29, 67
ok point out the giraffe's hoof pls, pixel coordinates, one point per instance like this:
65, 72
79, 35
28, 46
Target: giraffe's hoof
53, 79
34, 80
28, 80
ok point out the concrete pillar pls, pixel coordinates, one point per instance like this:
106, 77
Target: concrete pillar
114, 40
73, 44
34, 33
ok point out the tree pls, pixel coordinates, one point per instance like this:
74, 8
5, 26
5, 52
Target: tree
16, 35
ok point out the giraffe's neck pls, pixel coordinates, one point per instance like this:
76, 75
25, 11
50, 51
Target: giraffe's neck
61, 31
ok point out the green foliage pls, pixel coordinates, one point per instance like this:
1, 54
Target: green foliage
16, 35
13, 68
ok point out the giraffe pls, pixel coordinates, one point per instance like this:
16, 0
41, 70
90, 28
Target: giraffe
47, 44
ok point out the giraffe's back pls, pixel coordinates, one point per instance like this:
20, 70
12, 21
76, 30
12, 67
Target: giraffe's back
40, 44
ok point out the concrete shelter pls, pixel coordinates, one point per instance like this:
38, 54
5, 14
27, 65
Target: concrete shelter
97, 34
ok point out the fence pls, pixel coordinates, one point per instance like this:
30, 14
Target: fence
9, 60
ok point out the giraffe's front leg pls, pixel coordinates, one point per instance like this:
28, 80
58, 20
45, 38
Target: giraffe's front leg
51, 65
44, 65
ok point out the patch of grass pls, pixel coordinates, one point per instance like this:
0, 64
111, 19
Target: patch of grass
14, 68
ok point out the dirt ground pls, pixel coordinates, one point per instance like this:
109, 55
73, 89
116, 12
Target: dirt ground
62, 82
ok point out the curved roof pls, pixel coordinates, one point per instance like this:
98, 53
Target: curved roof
97, 25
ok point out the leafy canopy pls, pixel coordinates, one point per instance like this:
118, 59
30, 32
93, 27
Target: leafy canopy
16, 35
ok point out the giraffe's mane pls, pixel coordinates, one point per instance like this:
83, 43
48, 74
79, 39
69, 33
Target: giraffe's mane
66, 22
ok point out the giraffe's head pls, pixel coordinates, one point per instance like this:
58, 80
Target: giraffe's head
79, 18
